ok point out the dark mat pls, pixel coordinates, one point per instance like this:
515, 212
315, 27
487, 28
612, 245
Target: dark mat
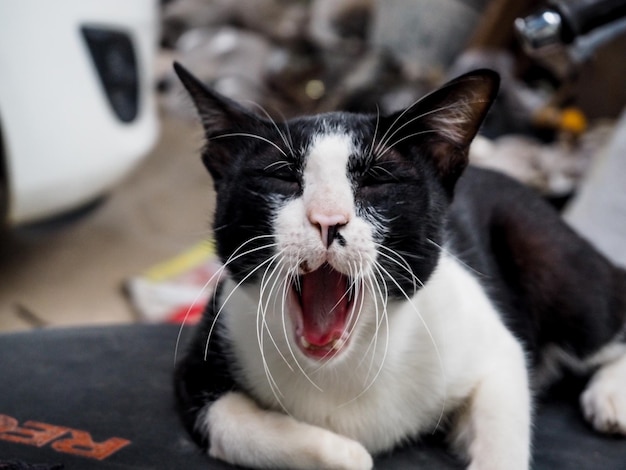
101, 398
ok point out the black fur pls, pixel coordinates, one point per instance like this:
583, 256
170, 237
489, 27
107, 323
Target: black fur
204, 375
551, 284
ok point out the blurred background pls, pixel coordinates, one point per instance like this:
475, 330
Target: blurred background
105, 206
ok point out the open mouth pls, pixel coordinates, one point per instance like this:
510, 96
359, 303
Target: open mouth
326, 316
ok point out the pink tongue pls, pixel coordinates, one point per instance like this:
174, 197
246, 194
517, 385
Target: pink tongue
324, 305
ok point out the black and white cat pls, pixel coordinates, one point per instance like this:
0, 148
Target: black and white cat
376, 288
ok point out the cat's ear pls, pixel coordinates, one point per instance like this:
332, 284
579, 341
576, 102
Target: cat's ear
445, 122
221, 117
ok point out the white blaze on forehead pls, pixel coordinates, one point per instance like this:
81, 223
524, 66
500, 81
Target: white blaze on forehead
327, 188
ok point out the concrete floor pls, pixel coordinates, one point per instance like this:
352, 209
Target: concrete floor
73, 275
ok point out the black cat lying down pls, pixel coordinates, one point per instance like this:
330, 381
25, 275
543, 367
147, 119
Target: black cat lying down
375, 288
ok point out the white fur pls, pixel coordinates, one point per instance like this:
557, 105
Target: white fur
604, 400
244, 434
443, 355
325, 177
419, 384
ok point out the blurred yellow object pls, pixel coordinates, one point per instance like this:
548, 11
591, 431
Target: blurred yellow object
571, 119
188, 260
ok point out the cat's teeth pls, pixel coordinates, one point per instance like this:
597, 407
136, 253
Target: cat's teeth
336, 344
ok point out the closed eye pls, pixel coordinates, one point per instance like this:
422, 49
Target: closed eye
377, 175
281, 170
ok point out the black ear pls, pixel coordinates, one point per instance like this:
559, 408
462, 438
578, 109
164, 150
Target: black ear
444, 122
224, 122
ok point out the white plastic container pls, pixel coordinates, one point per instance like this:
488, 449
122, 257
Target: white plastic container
63, 142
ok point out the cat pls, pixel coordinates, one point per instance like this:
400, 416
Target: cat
375, 287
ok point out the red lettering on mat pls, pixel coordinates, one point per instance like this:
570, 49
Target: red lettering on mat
39, 434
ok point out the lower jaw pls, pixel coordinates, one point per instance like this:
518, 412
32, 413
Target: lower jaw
322, 353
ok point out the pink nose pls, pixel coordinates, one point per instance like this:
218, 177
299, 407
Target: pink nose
328, 225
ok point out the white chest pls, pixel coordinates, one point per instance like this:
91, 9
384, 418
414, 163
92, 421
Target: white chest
424, 360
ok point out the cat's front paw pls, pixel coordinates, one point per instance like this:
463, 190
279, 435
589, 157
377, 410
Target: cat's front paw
341, 453
241, 433
604, 401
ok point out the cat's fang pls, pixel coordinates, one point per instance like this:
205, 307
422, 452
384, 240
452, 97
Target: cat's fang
304, 342
338, 344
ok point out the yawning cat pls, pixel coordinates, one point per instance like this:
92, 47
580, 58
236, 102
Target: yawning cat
375, 288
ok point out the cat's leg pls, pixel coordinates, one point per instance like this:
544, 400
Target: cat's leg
493, 430
604, 400
241, 433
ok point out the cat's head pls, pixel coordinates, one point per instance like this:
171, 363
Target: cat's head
336, 215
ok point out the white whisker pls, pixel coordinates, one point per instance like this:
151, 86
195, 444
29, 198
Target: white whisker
221, 308
190, 308
386, 135
288, 342
253, 136
377, 292
262, 309
287, 141
430, 336
401, 262
280, 164
218, 274
262, 325
391, 132
375, 337
456, 258
371, 145
386, 149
